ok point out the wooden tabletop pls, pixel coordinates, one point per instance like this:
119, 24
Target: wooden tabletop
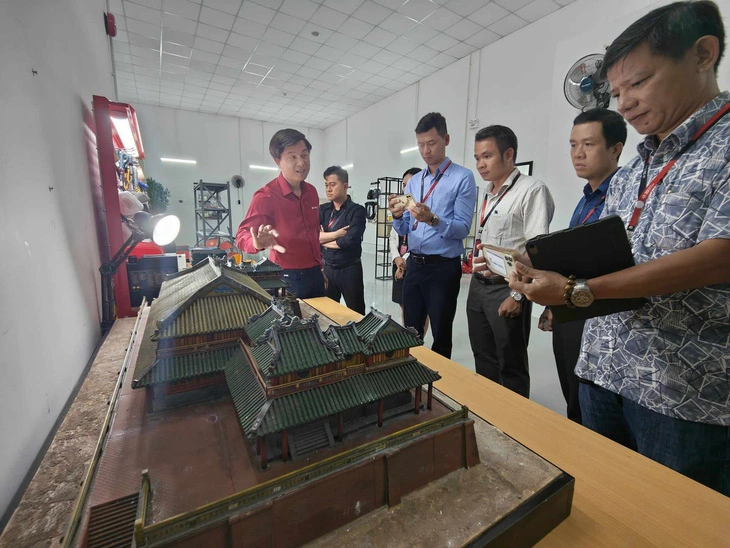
621, 498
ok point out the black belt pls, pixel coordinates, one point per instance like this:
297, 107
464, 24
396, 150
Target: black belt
491, 280
426, 259
341, 266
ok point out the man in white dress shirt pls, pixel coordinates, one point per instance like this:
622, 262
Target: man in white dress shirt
515, 208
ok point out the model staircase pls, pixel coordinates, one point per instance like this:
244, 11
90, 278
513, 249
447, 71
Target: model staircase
310, 438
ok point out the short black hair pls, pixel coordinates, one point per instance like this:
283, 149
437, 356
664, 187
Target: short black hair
412, 171
504, 136
612, 124
432, 120
286, 138
337, 170
669, 31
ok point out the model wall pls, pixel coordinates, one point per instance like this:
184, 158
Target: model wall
222, 146
49, 280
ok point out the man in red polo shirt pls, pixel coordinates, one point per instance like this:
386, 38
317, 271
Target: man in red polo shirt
284, 217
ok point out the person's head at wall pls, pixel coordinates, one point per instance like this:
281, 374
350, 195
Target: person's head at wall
336, 183
290, 150
596, 141
432, 138
663, 67
495, 152
407, 174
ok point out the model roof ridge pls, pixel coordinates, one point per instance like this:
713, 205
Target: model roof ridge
299, 344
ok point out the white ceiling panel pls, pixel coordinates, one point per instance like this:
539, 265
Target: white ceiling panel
306, 62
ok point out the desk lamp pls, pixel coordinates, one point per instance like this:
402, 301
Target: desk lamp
163, 230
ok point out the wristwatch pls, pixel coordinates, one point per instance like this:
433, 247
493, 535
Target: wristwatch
582, 295
434, 220
516, 295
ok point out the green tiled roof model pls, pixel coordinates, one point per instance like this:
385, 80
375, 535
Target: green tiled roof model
262, 265
246, 392
257, 325
188, 366
214, 314
376, 333
299, 345
272, 283
321, 402
189, 305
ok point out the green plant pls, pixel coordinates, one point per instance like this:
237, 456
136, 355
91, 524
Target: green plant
159, 196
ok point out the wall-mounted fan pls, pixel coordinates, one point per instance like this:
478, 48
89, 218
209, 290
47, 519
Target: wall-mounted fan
584, 87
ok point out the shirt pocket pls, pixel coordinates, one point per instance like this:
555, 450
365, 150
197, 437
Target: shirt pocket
503, 228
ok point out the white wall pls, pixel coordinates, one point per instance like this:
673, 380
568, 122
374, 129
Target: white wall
49, 280
222, 146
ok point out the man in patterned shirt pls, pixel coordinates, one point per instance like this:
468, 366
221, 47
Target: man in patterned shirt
658, 378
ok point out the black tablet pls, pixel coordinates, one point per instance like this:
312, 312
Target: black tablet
586, 251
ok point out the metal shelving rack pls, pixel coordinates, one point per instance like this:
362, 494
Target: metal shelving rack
211, 215
384, 186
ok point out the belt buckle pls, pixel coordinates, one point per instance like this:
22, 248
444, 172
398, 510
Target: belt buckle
418, 259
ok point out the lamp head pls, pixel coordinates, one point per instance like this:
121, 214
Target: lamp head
162, 228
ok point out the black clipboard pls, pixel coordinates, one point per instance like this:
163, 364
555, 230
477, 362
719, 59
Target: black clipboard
586, 251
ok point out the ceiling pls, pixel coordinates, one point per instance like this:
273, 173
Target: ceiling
303, 62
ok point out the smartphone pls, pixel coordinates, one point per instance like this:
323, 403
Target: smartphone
500, 260
406, 200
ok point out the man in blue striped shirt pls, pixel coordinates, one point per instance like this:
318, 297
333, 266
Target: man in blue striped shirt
596, 142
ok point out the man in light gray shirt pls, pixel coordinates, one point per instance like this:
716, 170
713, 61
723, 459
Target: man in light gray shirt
515, 208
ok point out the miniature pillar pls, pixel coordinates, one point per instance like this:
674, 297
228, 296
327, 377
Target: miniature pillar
258, 446
418, 400
264, 460
340, 425
380, 412
284, 445
429, 403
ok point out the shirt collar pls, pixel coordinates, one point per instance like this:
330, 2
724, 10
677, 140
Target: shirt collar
681, 136
507, 182
285, 187
441, 167
344, 204
602, 188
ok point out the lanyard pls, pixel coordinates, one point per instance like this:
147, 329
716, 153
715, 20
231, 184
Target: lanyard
433, 185
435, 182
484, 219
333, 219
592, 211
646, 190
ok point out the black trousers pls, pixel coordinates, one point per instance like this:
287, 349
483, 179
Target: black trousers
431, 290
499, 344
347, 282
566, 347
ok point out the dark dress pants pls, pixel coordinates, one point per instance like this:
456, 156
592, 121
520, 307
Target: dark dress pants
431, 290
305, 283
348, 282
499, 344
567, 338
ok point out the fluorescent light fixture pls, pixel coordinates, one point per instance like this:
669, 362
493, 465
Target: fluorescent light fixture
348, 166
125, 134
267, 168
406, 150
178, 161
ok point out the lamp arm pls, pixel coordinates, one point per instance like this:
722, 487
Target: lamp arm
111, 267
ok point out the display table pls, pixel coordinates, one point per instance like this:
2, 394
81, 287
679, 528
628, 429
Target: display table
621, 498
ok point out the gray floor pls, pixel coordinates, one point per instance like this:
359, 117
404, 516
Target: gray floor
545, 387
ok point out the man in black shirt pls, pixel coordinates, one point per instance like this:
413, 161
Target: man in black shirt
342, 224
